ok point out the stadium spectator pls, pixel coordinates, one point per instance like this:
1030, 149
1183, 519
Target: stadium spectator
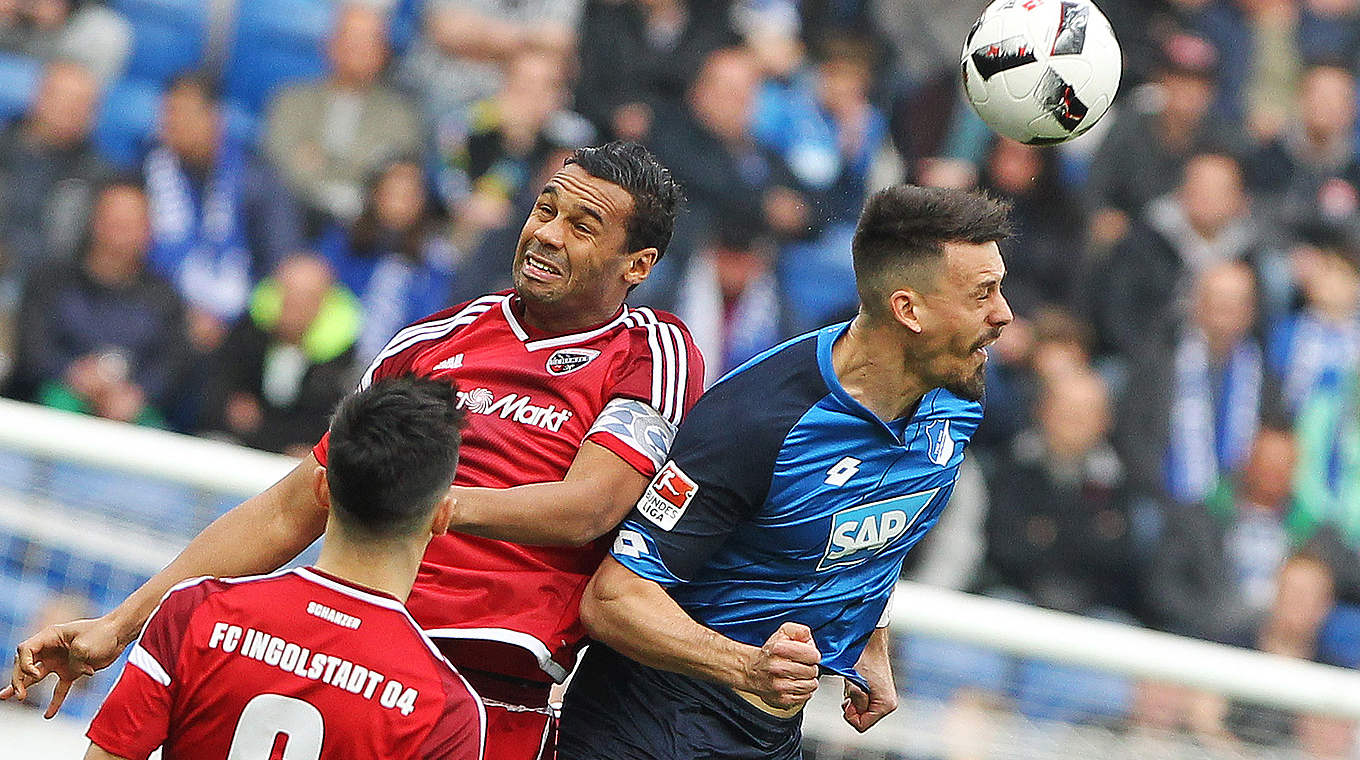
89, 32
490, 154
1044, 257
1059, 524
329, 656
642, 58
394, 257
1195, 401
1328, 478
287, 362
718, 162
729, 297
220, 217
928, 116
824, 127
460, 57
1214, 573
326, 137
104, 335
1320, 343
1206, 221
1309, 174
1153, 137
1329, 30
48, 173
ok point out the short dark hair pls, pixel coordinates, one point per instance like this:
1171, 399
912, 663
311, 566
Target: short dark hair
393, 451
906, 226
656, 195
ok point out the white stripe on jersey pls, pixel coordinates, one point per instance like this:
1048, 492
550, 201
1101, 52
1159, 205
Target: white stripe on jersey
640, 319
674, 358
419, 333
148, 664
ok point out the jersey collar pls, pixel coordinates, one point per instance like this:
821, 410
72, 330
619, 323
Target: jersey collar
542, 340
826, 338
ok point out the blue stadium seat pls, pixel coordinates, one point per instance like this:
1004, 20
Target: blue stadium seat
1046, 691
152, 504
19, 77
169, 36
127, 121
276, 43
938, 668
14, 551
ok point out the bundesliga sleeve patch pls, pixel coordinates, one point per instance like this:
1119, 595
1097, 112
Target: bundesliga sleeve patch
667, 497
638, 426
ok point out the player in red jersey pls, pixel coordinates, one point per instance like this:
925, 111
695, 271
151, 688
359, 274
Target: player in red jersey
572, 400
320, 662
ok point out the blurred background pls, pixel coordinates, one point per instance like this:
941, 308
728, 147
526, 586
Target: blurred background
214, 212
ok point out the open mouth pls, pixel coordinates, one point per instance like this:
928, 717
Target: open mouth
540, 268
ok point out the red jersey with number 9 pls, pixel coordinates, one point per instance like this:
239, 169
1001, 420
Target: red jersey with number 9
531, 400
298, 665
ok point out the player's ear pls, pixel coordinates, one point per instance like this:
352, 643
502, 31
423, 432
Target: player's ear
640, 265
443, 514
321, 488
905, 307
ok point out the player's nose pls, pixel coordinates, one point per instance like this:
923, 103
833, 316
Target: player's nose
1001, 312
549, 234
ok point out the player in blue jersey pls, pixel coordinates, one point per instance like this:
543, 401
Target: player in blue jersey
765, 552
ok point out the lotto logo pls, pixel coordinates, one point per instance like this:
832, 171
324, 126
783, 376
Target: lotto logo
862, 532
668, 496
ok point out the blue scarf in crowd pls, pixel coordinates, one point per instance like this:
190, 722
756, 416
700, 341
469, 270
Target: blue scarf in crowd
198, 239
1211, 433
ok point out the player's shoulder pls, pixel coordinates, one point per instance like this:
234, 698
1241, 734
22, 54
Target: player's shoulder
646, 325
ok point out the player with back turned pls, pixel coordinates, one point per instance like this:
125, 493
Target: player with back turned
766, 549
318, 662
572, 399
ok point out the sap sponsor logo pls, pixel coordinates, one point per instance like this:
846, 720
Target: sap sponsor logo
859, 533
630, 543
567, 360
668, 496
513, 406
941, 443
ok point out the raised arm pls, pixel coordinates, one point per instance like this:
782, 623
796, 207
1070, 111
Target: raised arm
636, 617
597, 492
257, 536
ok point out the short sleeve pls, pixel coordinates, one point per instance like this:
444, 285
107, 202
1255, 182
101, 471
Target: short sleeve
135, 718
712, 482
663, 369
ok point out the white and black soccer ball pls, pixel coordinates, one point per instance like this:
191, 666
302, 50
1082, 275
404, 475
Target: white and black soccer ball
1041, 71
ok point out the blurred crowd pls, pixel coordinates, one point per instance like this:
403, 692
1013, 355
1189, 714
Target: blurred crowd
211, 220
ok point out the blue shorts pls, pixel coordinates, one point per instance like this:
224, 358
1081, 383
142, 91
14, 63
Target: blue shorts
616, 709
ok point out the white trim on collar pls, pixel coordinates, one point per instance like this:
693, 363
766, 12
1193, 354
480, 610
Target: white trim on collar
559, 340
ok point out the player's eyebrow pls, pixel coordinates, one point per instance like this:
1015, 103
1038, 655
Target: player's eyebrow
549, 190
590, 212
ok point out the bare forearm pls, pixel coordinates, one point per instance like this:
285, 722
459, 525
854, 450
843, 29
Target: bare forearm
640, 621
257, 536
595, 495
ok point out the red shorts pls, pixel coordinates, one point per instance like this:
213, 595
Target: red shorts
520, 724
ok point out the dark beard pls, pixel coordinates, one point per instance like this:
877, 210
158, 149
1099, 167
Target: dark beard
969, 388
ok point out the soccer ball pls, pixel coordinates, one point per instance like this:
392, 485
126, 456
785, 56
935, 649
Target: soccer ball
1041, 71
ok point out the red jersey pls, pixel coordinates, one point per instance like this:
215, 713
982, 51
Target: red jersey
299, 659
531, 400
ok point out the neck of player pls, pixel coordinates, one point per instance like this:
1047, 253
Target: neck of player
388, 566
566, 320
870, 365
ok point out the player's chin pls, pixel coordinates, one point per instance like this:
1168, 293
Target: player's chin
970, 385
